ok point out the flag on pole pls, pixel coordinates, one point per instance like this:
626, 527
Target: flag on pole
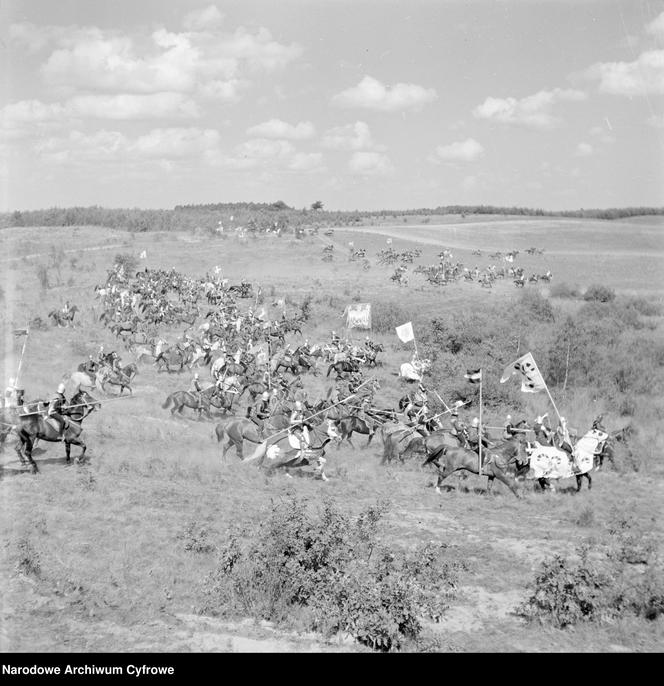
532, 380
473, 375
405, 332
20, 332
144, 255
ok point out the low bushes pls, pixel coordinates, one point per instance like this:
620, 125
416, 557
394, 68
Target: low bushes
331, 573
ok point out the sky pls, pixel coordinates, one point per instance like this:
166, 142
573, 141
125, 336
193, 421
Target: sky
361, 104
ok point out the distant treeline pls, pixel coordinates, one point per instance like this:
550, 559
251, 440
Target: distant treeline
269, 216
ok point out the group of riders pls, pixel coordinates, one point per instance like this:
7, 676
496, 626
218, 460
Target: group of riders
54, 408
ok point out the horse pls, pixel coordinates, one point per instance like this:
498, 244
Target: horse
170, 358
352, 423
88, 367
182, 399
497, 460
400, 439
33, 426
109, 375
343, 367
283, 450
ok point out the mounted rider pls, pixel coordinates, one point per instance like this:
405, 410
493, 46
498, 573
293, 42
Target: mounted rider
509, 431
261, 411
421, 419
543, 433
364, 414
563, 437
597, 424
196, 390
298, 428
56, 407
474, 435
458, 428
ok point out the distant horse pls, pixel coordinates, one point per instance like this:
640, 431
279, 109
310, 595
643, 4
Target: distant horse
182, 399
122, 378
168, 359
343, 367
34, 425
61, 318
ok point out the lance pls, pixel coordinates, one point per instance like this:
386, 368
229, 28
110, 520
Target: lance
69, 407
20, 362
341, 402
440, 414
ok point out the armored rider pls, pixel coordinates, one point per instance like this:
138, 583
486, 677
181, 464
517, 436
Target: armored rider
56, 407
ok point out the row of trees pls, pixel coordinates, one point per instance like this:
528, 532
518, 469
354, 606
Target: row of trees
266, 215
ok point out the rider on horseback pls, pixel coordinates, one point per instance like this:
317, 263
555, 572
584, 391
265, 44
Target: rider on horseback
597, 424
10, 394
542, 432
474, 435
297, 427
458, 427
363, 414
196, 390
261, 411
56, 406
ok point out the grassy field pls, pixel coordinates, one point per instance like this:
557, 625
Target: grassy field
97, 557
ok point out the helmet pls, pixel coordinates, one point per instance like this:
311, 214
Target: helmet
298, 405
476, 421
196, 375
265, 396
539, 419
509, 417
12, 381
458, 403
61, 388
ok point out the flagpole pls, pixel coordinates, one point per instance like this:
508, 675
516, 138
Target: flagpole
479, 437
546, 388
20, 362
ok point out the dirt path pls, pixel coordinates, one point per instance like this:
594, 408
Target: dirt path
70, 250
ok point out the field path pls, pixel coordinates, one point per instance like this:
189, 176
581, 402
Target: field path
404, 232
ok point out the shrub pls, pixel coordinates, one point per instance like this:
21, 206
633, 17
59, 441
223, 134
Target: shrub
387, 315
600, 293
563, 290
128, 261
332, 572
536, 306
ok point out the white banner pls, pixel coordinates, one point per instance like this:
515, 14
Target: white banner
358, 316
405, 332
532, 380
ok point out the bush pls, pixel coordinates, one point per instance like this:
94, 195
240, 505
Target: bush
563, 290
331, 572
600, 293
536, 306
128, 261
569, 591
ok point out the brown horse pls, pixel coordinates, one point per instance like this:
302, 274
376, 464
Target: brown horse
242, 429
496, 463
35, 425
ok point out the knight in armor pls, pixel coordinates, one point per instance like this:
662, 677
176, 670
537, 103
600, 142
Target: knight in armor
297, 426
336, 340
509, 431
542, 432
363, 414
262, 410
56, 407
562, 434
458, 428
474, 435
421, 419
196, 390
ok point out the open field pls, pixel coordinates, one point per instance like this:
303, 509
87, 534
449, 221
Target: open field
107, 540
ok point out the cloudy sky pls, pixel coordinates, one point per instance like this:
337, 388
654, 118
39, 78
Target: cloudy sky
363, 104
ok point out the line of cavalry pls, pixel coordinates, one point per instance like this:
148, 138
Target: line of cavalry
247, 354
447, 270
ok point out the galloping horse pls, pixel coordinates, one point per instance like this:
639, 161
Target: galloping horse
182, 399
34, 426
343, 367
283, 450
61, 318
497, 461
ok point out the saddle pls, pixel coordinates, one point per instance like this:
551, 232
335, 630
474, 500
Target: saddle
55, 425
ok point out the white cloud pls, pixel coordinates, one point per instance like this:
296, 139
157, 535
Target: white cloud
461, 151
584, 150
656, 26
355, 136
210, 62
370, 164
533, 111
371, 94
203, 20
276, 128
126, 106
643, 75
113, 146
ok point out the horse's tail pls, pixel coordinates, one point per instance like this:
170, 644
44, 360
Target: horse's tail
168, 400
220, 432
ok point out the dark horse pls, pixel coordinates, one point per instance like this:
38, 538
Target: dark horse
182, 399
343, 367
242, 429
34, 425
497, 461
352, 423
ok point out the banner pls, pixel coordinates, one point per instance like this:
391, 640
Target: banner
473, 375
358, 316
532, 380
144, 255
405, 332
